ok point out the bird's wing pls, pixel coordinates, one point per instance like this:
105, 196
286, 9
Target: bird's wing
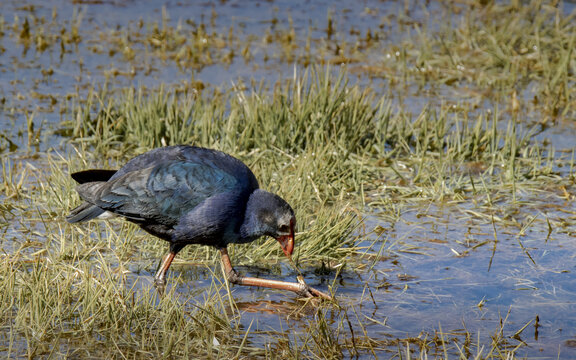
162, 193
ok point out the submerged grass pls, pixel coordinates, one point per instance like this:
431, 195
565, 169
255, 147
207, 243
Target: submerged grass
332, 147
329, 147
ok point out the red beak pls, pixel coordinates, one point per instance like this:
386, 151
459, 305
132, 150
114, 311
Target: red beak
287, 241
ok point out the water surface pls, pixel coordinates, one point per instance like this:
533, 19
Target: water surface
446, 269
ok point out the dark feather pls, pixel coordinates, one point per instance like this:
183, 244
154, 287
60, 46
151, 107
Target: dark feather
182, 194
175, 184
84, 212
85, 176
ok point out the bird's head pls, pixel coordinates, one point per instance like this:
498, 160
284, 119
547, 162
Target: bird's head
269, 214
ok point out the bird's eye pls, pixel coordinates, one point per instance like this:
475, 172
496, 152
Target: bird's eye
284, 228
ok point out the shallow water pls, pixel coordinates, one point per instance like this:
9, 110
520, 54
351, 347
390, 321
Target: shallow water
438, 280
447, 271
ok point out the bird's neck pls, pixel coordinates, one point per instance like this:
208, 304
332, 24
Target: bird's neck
251, 228
249, 233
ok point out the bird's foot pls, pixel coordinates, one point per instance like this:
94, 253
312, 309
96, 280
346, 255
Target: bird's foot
300, 288
319, 294
160, 284
309, 292
304, 291
234, 277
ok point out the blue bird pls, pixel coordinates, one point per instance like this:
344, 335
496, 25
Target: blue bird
192, 195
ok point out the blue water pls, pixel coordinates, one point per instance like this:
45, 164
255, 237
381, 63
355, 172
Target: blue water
443, 273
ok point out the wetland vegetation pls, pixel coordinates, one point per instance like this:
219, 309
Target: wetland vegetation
427, 149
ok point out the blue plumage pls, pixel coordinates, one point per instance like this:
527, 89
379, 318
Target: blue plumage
187, 195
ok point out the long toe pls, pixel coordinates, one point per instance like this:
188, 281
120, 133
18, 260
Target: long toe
160, 285
319, 294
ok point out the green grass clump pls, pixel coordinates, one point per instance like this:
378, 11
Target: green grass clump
488, 83
322, 140
329, 147
70, 306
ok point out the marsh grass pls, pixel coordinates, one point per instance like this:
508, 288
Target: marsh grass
334, 148
323, 142
72, 294
329, 147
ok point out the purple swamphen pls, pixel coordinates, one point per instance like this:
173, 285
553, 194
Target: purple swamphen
192, 195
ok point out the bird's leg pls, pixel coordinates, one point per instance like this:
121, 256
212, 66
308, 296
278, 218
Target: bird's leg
160, 277
231, 274
299, 288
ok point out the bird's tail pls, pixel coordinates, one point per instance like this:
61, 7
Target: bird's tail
93, 175
84, 212
87, 211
